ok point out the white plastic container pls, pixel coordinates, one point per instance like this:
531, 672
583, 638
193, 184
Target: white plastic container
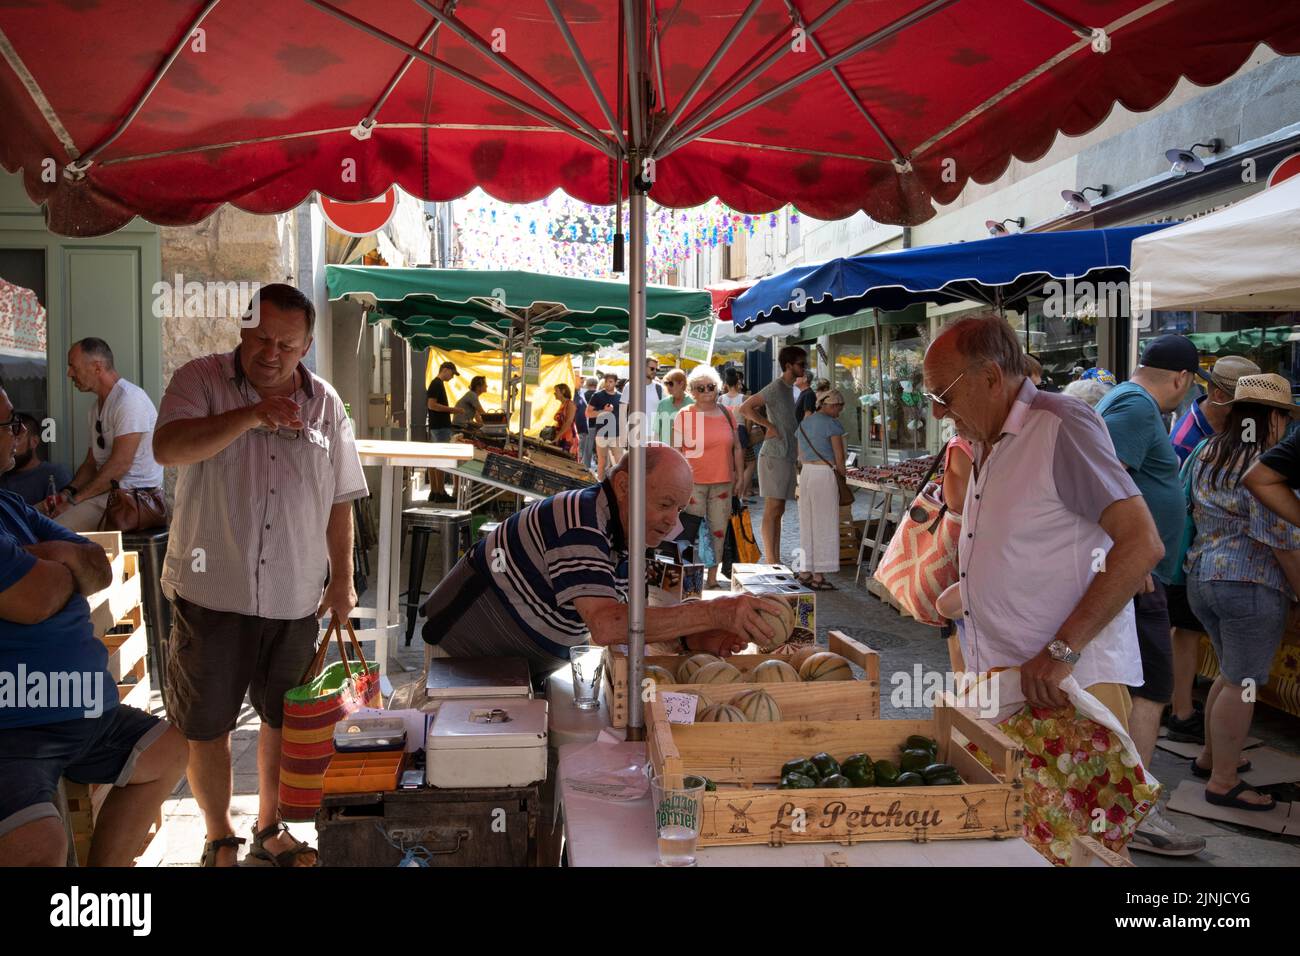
468, 748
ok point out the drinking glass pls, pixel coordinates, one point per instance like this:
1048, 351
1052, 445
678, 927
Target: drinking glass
678, 811
588, 663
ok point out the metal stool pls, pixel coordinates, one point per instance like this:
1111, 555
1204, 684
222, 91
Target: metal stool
152, 548
453, 528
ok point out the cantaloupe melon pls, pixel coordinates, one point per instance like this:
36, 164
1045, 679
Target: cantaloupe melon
718, 672
686, 672
720, 714
758, 706
663, 677
780, 625
774, 672
801, 654
825, 665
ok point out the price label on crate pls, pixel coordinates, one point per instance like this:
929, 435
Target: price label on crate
680, 707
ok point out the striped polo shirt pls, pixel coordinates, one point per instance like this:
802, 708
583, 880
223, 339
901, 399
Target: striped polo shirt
542, 558
248, 531
1190, 430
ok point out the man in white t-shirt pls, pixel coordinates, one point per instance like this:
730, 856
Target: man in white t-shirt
121, 446
654, 394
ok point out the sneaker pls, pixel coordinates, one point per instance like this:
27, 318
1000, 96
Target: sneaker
1187, 730
1157, 835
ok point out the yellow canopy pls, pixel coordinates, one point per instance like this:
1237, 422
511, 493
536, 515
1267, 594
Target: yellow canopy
556, 370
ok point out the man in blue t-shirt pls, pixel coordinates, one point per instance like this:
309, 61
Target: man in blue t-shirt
602, 412
1134, 413
59, 710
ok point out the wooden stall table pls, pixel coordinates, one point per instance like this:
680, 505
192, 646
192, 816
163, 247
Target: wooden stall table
601, 832
390, 456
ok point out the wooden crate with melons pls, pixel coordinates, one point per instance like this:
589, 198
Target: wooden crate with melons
812, 684
852, 796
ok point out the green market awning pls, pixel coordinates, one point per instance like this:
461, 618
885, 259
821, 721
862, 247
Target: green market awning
479, 310
1238, 341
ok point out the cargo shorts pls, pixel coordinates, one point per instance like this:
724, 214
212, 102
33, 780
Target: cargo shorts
215, 658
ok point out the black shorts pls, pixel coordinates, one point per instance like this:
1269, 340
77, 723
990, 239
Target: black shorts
1156, 645
1180, 611
214, 658
101, 749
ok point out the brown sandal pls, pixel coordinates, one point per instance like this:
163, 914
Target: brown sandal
259, 855
209, 857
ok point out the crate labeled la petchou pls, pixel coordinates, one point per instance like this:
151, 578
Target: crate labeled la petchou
856, 698
745, 762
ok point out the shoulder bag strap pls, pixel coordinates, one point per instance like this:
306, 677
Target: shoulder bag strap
814, 447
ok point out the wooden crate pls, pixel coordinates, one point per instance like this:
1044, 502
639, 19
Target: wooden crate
127, 643
806, 700
108, 606
745, 760
84, 803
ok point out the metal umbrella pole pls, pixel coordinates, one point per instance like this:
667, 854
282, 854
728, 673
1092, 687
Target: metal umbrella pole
634, 14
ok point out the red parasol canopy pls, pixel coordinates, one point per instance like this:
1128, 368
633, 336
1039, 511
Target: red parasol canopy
169, 109
723, 294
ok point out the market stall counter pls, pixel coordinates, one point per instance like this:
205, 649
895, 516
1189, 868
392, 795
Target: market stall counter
600, 830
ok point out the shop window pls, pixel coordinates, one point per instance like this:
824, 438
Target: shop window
846, 374
1065, 345
24, 355
1269, 339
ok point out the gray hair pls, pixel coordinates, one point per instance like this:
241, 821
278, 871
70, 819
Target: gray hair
703, 373
591, 382
96, 349
988, 338
1086, 390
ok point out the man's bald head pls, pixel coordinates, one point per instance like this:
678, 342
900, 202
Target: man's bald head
975, 368
668, 480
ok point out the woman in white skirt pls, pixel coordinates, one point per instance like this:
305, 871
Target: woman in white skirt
821, 455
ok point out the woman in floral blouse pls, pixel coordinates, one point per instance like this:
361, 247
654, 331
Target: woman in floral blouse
1243, 572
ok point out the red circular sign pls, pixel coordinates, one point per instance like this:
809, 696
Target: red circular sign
1285, 170
359, 218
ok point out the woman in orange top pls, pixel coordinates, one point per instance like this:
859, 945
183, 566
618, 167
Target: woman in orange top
706, 434
566, 433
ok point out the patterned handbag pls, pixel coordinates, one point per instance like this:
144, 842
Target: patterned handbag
325, 696
921, 559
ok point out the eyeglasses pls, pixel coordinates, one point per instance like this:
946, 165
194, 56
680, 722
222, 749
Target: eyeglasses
704, 388
938, 399
99, 433
290, 434
15, 425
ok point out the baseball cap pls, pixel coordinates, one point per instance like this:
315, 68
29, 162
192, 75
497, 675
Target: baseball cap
1229, 368
1174, 353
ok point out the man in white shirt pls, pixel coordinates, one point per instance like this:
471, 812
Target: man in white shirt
1056, 538
654, 394
121, 447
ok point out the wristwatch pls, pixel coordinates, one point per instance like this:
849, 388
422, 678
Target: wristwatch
71, 493
1060, 651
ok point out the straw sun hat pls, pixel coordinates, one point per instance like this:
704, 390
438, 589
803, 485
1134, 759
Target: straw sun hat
1271, 390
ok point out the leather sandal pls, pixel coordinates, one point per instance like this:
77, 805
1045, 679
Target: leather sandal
1233, 799
209, 857
259, 855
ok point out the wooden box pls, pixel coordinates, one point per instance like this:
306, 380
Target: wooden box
109, 605
481, 827
745, 761
805, 700
85, 800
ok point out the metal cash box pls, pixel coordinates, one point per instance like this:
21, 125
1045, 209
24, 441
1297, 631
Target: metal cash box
494, 742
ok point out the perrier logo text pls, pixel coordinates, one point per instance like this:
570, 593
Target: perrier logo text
676, 812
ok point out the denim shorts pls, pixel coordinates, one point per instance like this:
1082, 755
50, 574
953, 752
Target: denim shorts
1245, 622
100, 749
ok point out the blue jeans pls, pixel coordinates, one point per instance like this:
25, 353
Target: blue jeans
587, 448
1245, 622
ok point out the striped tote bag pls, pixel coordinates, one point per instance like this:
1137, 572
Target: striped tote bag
324, 696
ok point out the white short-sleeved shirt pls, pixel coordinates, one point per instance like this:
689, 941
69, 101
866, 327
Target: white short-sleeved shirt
1030, 540
248, 534
126, 411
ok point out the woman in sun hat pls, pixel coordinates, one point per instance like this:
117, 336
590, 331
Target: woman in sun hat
1243, 572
